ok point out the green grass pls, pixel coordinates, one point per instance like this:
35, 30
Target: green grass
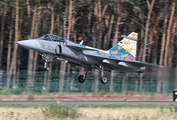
14, 91
114, 106
21, 106
61, 111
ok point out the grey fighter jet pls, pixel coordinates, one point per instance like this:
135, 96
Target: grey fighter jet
121, 57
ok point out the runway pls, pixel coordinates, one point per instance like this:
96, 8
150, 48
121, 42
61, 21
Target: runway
92, 102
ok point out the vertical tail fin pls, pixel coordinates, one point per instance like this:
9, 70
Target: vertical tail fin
127, 47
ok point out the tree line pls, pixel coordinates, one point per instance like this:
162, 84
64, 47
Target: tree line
100, 23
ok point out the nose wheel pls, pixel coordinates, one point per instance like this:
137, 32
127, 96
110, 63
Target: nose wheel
45, 66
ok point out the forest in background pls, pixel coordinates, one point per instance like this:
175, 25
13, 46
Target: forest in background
100, 23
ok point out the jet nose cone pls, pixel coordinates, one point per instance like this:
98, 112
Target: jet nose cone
30, 44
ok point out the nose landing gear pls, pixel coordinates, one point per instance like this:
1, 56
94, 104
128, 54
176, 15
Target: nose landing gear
46, 58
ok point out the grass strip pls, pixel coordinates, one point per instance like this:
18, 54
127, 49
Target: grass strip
114, 106
22, 106
111, 106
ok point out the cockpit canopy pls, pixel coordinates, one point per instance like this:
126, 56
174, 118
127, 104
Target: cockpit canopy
51, 37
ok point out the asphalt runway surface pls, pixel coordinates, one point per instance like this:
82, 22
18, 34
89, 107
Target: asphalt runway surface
92, 102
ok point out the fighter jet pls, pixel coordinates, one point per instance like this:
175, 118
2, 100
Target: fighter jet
121, 57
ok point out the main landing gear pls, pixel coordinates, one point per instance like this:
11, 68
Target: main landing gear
46, 58
81, 78
103, 78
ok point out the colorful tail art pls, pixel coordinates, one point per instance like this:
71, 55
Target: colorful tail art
127, 47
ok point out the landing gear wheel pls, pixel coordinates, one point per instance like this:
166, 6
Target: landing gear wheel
104, 79
81, 78
45, 69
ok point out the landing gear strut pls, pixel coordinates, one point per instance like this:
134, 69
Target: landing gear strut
103, 78
46, 58
81, 78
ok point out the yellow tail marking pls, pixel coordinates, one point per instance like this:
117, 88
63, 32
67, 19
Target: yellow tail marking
129, 50
126, 55
127, 42
120, 47
114, 52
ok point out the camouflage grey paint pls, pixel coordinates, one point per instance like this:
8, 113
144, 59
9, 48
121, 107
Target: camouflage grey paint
77, 54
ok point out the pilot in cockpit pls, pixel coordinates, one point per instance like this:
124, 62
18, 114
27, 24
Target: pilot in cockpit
54, 39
